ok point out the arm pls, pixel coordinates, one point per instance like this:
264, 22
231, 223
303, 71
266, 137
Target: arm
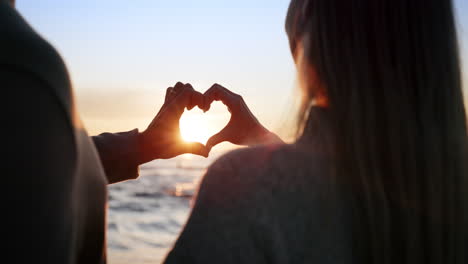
119, 155
122, 153
38, 173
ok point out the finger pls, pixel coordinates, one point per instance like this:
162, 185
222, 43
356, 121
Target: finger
216, 139
196, 99
227, 90
178, 87
207, 105
181, 100
169, 94
184, 96
224, 89
188, 86
219, 93
195, 148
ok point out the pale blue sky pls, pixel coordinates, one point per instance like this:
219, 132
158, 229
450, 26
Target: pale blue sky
123, 54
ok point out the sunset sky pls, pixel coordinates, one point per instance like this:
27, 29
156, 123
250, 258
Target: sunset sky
123, 54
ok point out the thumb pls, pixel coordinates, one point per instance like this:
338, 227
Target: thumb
195, 148
216, 139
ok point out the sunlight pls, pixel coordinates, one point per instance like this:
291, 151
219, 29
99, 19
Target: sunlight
194, 127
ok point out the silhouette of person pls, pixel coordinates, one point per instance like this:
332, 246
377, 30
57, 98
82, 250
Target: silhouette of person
379, 171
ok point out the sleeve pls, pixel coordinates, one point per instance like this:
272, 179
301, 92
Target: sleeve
119, 155
222, 225
38, 168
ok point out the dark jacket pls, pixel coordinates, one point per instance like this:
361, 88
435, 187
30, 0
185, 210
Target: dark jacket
54, 183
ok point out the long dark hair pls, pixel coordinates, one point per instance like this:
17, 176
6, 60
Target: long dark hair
391, 72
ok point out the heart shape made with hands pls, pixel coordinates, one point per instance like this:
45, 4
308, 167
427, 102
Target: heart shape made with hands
197, 126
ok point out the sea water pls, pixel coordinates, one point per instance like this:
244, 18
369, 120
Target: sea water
146, 215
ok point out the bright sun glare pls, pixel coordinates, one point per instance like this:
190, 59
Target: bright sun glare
194, 127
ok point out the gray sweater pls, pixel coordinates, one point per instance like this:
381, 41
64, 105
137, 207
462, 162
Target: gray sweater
270, 204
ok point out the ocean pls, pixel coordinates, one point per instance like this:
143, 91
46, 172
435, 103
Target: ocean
146, 215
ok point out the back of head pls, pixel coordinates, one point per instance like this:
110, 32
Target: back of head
391, 74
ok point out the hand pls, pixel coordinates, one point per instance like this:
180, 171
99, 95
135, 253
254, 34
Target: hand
162, 140
243, 127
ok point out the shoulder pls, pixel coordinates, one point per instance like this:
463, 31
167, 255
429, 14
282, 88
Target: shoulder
24, 51
273, 159
23, 47
247, 159
244, 164
259, 173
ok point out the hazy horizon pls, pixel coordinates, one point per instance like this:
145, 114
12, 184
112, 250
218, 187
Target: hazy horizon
122, 56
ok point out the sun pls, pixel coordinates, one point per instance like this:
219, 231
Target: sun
194, 127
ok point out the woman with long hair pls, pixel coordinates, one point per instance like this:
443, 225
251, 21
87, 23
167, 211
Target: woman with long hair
379, 173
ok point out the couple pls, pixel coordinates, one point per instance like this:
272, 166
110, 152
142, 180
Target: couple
377, 175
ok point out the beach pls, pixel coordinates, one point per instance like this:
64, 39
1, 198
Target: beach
146, 215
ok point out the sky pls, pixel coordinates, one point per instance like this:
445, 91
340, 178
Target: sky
123, 54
